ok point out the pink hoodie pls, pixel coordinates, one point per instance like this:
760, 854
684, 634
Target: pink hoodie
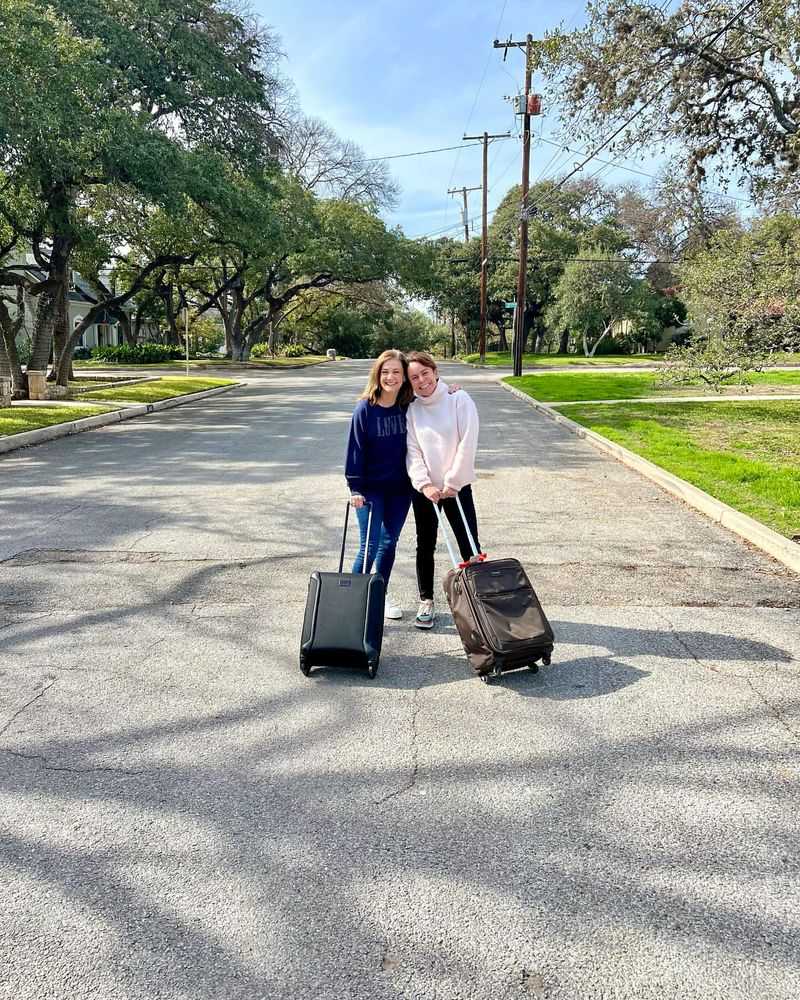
442, 438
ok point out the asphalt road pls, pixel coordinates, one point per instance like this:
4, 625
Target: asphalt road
184, 815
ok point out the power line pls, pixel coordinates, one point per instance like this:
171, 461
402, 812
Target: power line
623, 166
657, 94
419, 152
475, 103
457, 225
550, 198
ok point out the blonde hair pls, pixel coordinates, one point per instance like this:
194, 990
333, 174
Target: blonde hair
372, 390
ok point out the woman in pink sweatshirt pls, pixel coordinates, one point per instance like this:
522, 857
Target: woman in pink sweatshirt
442, 436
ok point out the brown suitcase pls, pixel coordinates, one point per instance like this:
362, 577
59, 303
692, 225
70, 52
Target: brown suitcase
496, 612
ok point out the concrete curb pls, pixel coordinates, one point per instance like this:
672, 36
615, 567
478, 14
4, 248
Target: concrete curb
769, 541
42, 434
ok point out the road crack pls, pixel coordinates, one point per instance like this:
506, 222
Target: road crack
71, 770
675, 632
409, 785
773, 709
26, 706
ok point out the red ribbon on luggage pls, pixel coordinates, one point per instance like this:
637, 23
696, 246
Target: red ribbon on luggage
481, 557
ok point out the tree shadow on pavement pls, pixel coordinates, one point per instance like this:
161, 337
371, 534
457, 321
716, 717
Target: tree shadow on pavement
273, 869
657, 642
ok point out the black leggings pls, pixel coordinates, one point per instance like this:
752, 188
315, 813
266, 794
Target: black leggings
428, 528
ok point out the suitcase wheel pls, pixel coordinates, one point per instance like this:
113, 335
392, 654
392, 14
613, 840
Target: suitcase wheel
304, 666
546, 660
534, 667
372, 669
486, 678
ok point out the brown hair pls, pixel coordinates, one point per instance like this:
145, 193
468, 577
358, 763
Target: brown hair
422, 358
372, 390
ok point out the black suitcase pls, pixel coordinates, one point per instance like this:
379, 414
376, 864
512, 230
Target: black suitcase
343, 623
496, 611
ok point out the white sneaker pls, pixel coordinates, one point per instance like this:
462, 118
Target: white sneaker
426, 616
392, 611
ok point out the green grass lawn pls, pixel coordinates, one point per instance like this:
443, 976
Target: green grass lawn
504, 360
280, 362
16, 419
163, 388
746, 454
562, 387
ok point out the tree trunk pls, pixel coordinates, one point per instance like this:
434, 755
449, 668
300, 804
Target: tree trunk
597, 343
563, 342
138, 320
226, 325
172, 337
453, 349
503, 341
61, 374
225, 311
10, 366
124, 320
48, 304
240, 348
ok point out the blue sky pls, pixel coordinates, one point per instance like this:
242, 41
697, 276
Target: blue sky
396, 77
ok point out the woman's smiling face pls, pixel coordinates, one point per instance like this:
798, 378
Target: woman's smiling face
392, 377
423, 379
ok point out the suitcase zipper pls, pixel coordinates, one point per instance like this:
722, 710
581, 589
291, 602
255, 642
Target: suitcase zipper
478, 612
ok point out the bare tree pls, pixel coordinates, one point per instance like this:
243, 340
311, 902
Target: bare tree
333, 167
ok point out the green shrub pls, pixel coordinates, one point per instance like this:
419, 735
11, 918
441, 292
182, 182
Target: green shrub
137, 354
612, 346
24, 349
206, 336
81, 354
261, 350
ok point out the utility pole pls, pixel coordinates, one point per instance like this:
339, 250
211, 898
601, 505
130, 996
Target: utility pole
485, 232
519, 315
464, 211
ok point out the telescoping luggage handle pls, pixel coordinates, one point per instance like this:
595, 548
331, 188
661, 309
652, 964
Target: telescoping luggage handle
476, 556
344, 536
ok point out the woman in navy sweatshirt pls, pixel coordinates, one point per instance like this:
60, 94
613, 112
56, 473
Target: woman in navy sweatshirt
375, 467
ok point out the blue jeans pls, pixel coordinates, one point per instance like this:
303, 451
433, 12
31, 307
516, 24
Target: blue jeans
389, 512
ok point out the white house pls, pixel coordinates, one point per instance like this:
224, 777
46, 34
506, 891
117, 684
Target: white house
104, 333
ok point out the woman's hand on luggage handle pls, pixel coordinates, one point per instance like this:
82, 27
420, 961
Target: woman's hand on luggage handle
448, 493
356, 500
432, 493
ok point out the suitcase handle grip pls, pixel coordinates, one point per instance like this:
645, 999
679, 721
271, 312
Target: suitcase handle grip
344, 536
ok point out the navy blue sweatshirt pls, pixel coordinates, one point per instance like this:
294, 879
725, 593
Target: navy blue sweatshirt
376, 448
